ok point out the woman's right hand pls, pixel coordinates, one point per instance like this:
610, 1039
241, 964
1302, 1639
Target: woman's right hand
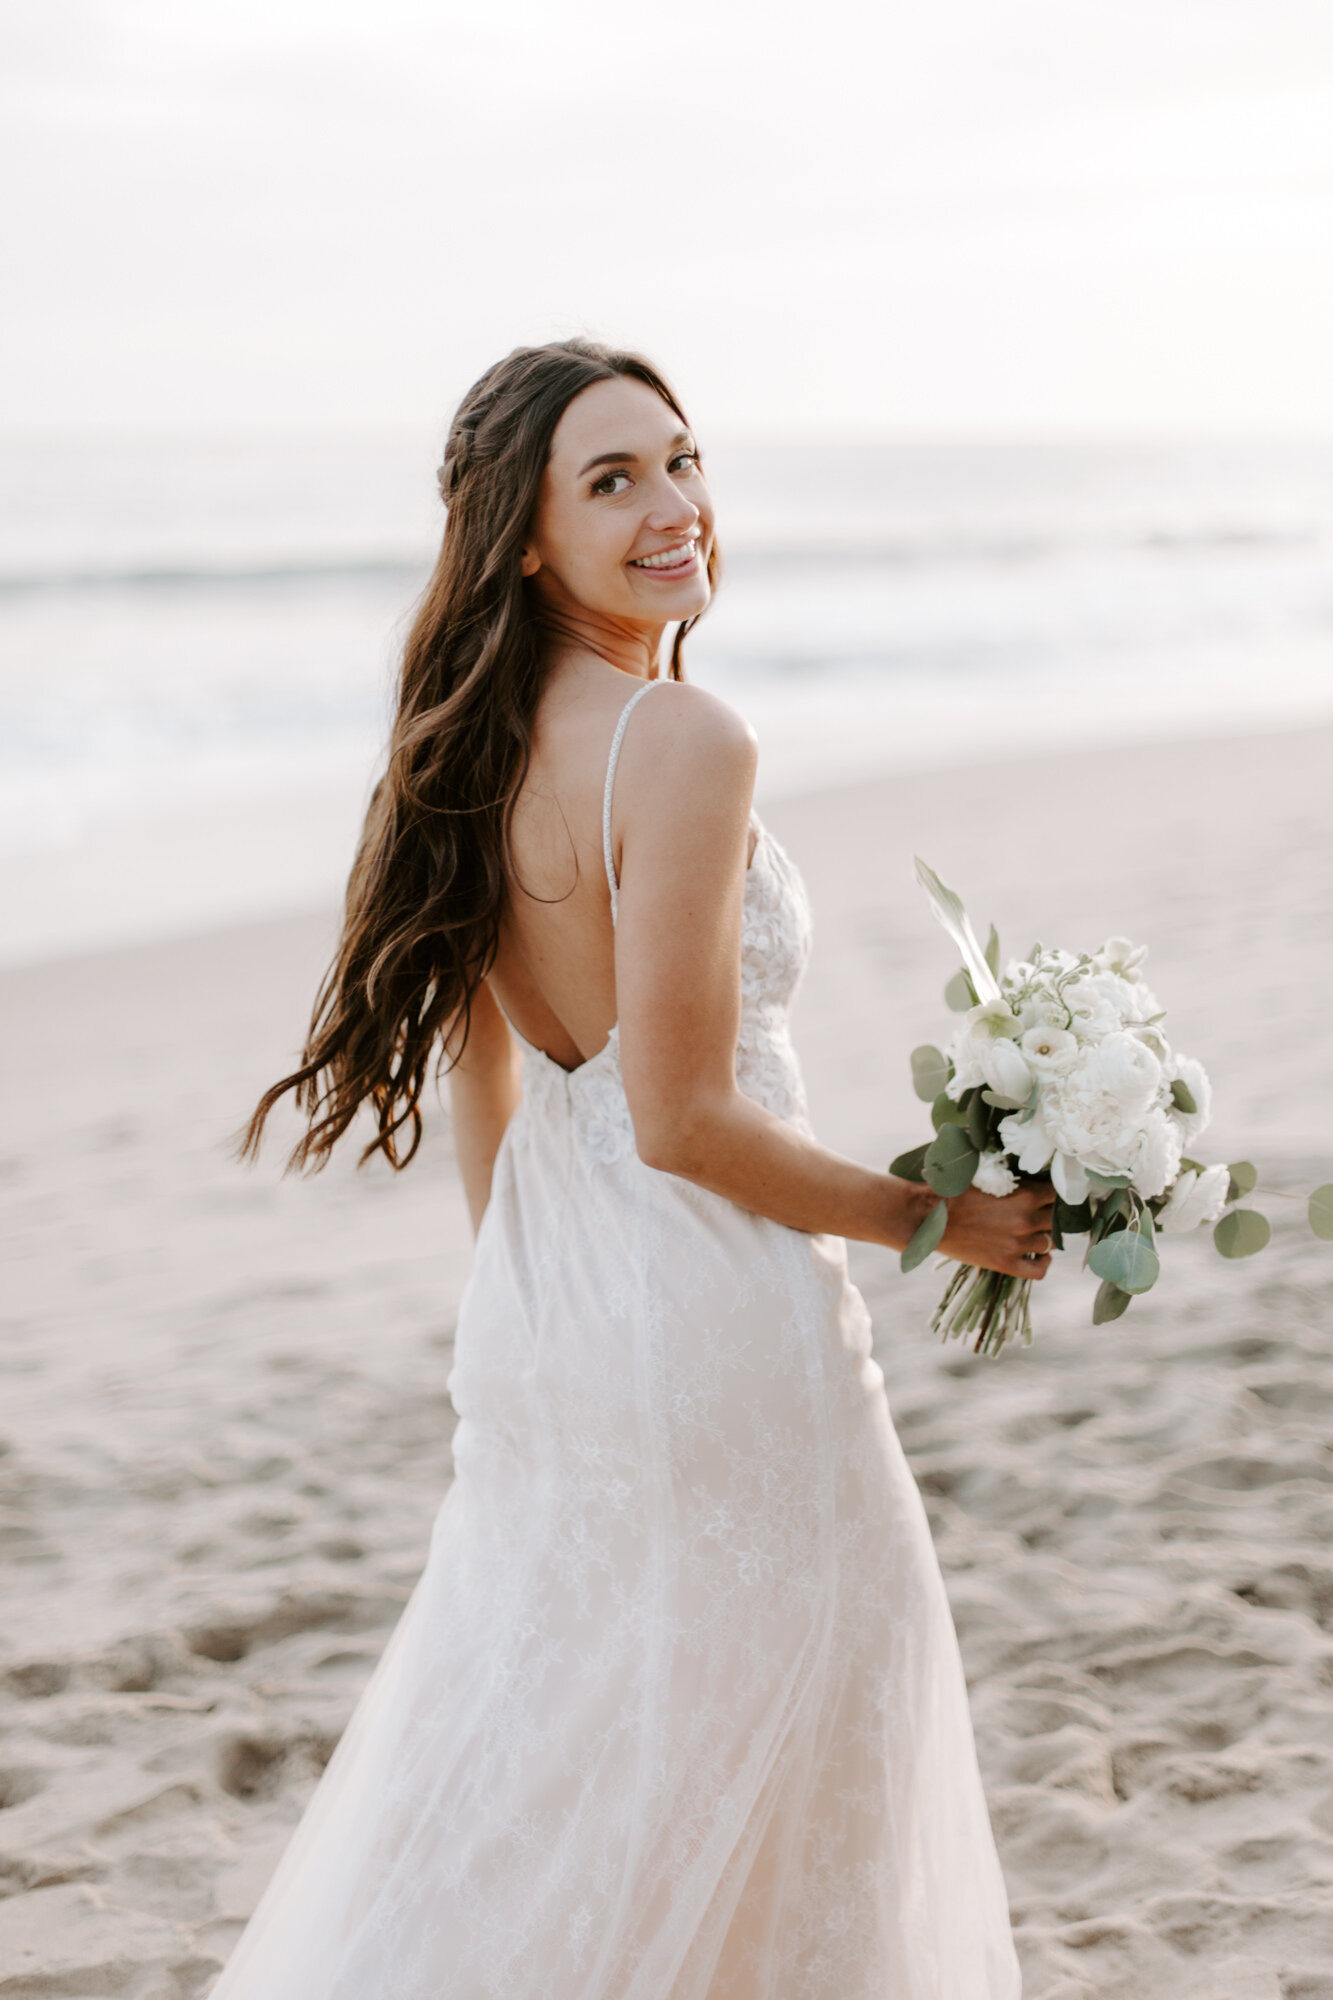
1008, 1232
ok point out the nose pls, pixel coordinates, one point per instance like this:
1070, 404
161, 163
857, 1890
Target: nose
672, 509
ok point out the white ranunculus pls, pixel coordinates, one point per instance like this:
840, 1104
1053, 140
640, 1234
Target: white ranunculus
1069, 1179
993, 1175
1049, 1051
1006, 1070
1195, 1079
1195, 1198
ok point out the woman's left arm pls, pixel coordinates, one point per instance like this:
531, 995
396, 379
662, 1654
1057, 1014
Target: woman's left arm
483, 1096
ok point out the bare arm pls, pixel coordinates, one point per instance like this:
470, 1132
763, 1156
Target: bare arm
686, 780
483, 1095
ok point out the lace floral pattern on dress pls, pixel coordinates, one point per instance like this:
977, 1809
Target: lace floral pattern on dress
775, 945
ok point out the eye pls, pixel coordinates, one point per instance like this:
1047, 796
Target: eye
607, 484
688, 458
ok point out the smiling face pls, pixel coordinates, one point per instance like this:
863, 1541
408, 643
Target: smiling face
624, 525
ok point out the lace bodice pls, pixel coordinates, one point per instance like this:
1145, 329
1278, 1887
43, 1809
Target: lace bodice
775, 944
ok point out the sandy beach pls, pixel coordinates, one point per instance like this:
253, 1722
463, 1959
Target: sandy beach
224, 1429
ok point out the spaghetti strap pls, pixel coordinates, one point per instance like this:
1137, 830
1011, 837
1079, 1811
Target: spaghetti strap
611, 762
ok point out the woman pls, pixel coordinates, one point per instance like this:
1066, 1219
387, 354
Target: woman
676, 1710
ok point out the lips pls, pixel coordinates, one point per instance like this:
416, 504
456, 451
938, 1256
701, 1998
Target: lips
680, 556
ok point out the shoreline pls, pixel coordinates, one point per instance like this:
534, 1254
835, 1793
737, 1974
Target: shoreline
289, 840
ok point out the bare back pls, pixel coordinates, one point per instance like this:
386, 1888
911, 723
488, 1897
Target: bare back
555, 974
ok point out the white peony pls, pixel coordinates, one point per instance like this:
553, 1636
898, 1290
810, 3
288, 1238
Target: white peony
1195, 1198
1154, 1160
993, 1176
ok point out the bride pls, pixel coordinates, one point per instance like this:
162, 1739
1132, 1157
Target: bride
676, 1711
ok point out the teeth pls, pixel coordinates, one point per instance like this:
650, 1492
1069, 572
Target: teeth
666, 558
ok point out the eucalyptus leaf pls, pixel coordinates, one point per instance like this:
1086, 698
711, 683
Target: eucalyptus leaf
1057, 1234
930, 1072
945, 1112
911, 1166
1321, 1211
951, 1161
1242, 1232
1126, 1259
1109, 1303
994, 1098
1074, 1218
960, 994
1244, 1179
925, 1237
1183, 1098
1107, 1180
978, 1124
993, 951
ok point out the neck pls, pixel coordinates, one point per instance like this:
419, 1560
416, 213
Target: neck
632, 649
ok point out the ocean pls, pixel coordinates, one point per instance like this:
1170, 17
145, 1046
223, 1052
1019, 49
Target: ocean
198, 637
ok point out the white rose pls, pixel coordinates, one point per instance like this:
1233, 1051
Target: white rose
993, 1175
1006, 1070
1049, 1051
1195, 1198
1195, 1079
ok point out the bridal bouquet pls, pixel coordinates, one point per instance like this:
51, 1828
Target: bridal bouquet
1060, 1070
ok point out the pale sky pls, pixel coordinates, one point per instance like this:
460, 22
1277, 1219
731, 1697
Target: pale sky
926, 215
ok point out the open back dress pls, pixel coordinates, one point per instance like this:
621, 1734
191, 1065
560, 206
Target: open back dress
676, 1710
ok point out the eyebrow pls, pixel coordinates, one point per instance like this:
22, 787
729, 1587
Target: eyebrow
628, 457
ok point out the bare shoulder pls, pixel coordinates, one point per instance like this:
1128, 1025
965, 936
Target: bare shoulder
687, 728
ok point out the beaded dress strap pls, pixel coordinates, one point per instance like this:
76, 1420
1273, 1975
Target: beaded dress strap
616, 741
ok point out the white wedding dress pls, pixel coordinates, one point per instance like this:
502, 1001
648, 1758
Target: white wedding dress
676, 1711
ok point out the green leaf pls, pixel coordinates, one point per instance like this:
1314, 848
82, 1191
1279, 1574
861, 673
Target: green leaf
1004, 1103
945, 1112
1109, 1211
993, 951
1242, 1232
1107, 1180
1057, 1234
1109, 1303
1183, 1098
960, 993
925, 1237
1244, 1179
1321, 1211
1126, 1259
911, 1166
978, 1124
951, 1162
930, 1072
1074, 1218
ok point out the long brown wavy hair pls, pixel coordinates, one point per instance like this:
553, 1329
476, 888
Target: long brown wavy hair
428, 885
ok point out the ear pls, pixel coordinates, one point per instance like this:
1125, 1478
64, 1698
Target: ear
530, 562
